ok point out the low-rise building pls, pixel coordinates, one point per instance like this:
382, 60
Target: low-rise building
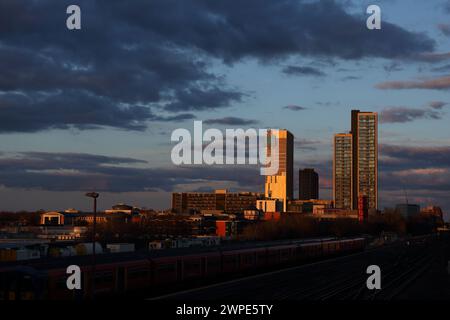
222, 200
314, 206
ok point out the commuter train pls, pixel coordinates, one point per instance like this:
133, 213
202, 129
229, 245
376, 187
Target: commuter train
119, 274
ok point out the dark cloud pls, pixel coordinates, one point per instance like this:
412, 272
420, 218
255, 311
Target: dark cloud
302, 71
405, 114
442, 83
294, 107
286, 27
131, 61
233, 121
81, 172
73, 109
198, 99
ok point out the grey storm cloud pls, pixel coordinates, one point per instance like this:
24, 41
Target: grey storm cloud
405, 114
130, 62
80, 172
302, 71
73, 109
231, 121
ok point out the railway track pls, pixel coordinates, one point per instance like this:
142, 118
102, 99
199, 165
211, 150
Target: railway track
337, 279
396, 278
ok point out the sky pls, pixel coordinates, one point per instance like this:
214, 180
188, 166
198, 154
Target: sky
94, 109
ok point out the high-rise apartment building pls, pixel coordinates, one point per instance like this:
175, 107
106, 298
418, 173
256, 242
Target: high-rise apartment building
365, 157
355, 166
308, 184
280, 185
343, 171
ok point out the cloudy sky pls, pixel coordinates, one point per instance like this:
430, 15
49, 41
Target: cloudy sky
94, 109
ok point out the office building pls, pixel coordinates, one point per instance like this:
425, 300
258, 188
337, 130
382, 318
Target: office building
308, 184
280, 186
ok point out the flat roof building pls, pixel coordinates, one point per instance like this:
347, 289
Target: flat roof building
220, 200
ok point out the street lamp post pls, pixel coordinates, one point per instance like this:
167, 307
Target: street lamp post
94, 196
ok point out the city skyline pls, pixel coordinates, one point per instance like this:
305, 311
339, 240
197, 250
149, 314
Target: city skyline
99, 105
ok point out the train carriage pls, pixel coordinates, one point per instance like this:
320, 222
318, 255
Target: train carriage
117, 274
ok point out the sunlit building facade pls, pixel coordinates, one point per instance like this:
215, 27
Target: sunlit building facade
280, 186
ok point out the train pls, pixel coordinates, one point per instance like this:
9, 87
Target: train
126, 274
